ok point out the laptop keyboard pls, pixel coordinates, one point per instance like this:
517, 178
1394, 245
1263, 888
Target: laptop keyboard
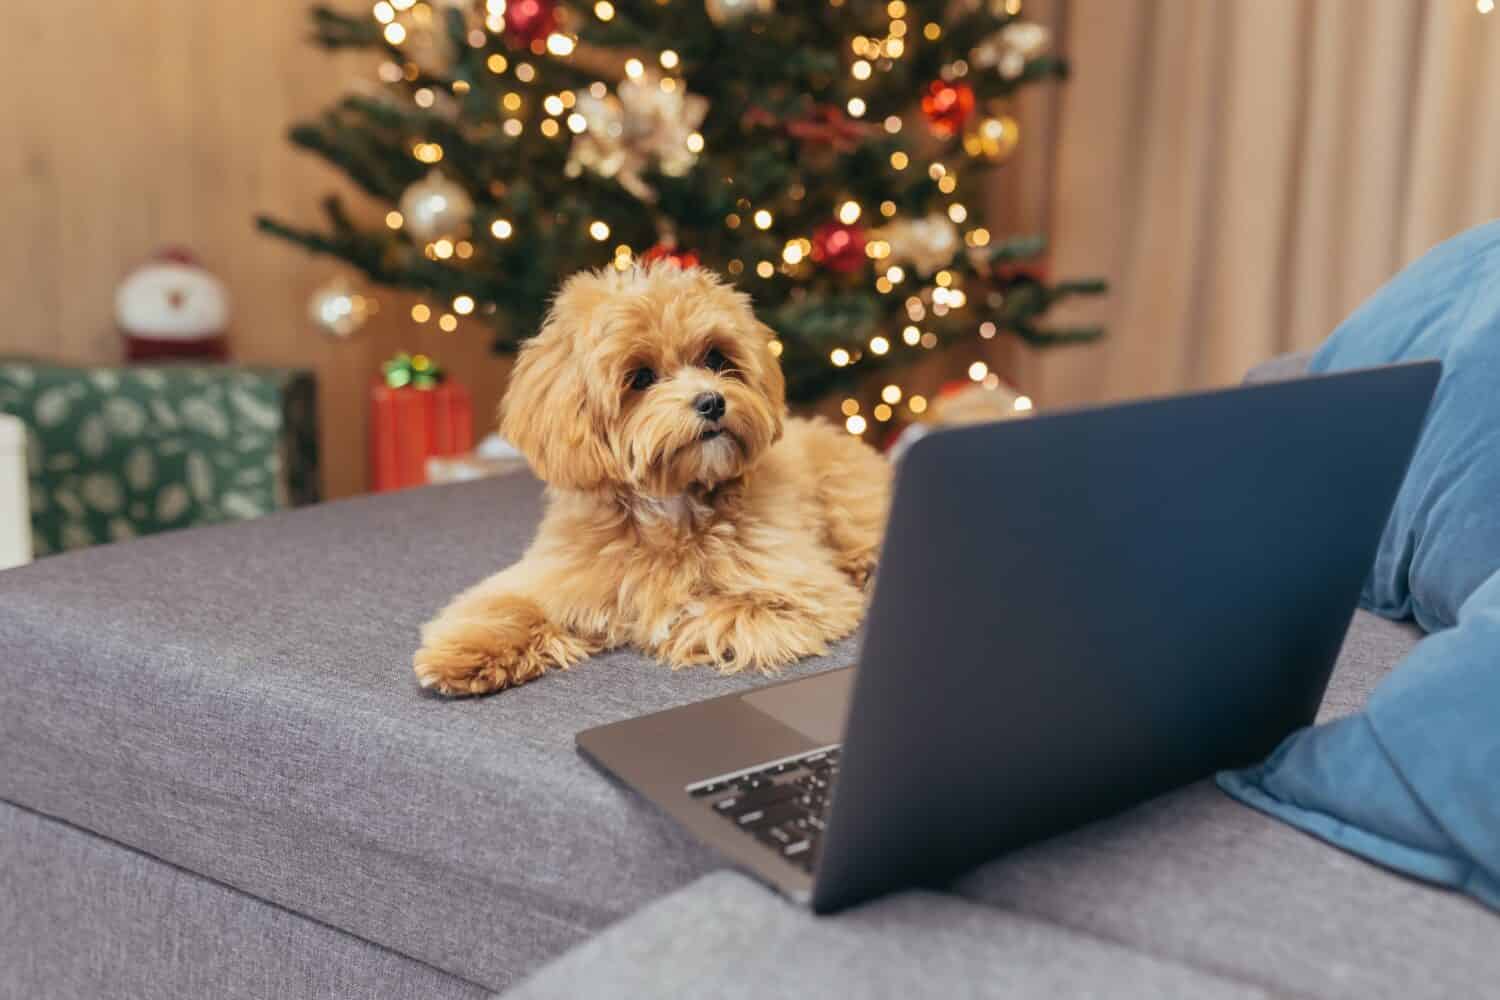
781, 804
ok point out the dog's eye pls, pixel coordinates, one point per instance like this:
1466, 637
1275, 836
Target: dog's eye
715, 360
642, 378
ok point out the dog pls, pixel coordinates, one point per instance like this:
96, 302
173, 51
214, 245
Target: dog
687, 513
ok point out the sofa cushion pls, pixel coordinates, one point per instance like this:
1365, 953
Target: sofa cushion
83, 917
1442, 540
727, 937
239, 701
1198, 878
1411, 781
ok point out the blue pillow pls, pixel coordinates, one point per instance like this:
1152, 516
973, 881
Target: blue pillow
1413, 782
1443, 538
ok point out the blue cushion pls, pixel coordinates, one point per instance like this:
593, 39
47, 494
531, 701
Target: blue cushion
1443, 539
1413, 782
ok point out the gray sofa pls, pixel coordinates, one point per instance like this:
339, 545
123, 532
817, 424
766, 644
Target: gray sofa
219, 779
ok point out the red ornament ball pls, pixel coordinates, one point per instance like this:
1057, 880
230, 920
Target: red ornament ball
947, 107
528, 21
839, 247
661, 252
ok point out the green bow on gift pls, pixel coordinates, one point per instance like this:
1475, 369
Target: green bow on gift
415, 370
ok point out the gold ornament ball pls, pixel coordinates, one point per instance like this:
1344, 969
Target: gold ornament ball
435, 206
722, 12
993, 139
927, 244
338, 310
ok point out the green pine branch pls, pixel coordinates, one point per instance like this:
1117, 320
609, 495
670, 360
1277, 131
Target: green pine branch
765, 78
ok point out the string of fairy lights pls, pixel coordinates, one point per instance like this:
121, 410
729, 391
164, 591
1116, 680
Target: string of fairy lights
565, 116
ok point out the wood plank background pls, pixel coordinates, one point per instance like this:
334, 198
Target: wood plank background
130, 127
126, 128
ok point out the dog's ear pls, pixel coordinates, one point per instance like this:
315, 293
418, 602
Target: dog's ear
547, 413
773, 382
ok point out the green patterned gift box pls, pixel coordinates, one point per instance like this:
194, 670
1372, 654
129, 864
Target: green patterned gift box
117, 452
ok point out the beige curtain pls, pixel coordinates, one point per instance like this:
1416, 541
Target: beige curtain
1245, 172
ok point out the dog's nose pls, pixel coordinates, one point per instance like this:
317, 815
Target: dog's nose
710, 405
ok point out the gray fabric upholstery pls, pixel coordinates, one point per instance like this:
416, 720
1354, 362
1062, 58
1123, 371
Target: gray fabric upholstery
1195, 877
81, 917
1279, 368
238, 701
1371, 649
726, 937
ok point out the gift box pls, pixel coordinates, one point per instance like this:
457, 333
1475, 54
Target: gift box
115, 452
412, 424
15, 516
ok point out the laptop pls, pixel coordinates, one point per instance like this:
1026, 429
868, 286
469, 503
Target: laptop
1073, 613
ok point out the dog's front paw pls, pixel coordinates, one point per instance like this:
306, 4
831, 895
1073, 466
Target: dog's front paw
747, 634
859, 566
506, 642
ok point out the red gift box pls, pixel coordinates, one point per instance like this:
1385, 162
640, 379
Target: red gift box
409, 425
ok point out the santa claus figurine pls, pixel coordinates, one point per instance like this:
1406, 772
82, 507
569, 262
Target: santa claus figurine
171, 307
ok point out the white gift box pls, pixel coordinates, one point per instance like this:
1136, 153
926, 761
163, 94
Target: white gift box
15, 512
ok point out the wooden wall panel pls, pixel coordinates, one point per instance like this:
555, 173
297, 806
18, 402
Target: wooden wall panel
129, 127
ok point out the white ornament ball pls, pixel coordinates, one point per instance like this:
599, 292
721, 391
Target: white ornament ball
1009, 49
1026, 37
338, 309
435, 206
722, 12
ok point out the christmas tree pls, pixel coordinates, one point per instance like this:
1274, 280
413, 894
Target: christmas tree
824, 155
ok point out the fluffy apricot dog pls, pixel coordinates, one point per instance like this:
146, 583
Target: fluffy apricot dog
687, 514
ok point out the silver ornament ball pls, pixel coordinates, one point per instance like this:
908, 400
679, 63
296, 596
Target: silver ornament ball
435, 206
723, 12
338, 310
